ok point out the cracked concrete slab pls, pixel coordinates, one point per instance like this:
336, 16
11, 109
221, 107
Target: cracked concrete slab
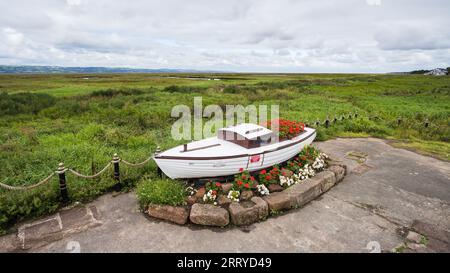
363, 211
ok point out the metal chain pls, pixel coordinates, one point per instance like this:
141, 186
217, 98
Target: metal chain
15, 188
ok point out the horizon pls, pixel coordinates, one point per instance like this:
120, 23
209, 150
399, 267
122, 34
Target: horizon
191, 71
351, 36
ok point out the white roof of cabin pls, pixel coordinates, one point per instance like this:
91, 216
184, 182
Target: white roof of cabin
248, 130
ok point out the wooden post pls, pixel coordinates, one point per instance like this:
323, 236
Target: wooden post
356, 114
399, 120
61, 171
350, 115
427, 123
327, 122
335, 119
115, 161
317, 122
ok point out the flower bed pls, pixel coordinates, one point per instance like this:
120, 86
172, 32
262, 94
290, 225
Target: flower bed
276, 188
287, 128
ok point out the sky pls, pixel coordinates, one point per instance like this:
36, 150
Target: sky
234, 35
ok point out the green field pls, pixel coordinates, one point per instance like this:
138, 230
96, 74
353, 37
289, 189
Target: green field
82, 120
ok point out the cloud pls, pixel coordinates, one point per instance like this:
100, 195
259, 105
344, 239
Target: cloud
423, 37
234, 35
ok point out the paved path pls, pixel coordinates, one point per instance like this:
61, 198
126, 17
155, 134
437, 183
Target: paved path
384, 192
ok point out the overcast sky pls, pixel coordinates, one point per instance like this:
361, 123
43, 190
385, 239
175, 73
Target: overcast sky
241, 35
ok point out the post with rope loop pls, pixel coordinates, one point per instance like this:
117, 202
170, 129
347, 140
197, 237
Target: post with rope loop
327, 122
115, 161
61, 171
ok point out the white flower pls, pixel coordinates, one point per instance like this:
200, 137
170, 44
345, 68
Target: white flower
262, 190
233, 195
209, 196
191, 191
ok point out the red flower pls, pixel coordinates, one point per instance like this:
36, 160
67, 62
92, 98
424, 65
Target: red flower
263, 172
283, 173
218, 184
275, 169
268, 177
214, 192
241, 169
252, 178
239, 182
244, 177
247, 185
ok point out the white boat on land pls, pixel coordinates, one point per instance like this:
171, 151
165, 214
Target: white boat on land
247, 146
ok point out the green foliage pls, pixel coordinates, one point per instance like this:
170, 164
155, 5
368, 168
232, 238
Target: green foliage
109, 93
160, 191
24, 103
213, 186
243, 181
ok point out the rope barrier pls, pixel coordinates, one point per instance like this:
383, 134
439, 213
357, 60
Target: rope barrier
15, 188
136, 164
90, 176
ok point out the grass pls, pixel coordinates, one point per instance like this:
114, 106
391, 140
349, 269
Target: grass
161, 192
82, 120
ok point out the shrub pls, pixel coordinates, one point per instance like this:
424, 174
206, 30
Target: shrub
183, 89
109, 93
160, 191
24, 103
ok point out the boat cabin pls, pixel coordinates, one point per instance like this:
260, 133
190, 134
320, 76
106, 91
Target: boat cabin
246, 135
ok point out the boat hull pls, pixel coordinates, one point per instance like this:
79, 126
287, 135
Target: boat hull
193, 168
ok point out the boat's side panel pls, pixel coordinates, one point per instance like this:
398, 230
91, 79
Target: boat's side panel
182, 168
279, 156
176, 168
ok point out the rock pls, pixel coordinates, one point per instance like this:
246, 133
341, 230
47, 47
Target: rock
275, 188
191, 200
327, 180
209, 215
226, 187
248, 212
246, 195
178, 215
415, 246
338, 171
431, 231
223, 201
414, 237
279, 201
199, 194
311, 188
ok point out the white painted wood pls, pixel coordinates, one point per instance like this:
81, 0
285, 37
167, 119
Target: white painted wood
195, 167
